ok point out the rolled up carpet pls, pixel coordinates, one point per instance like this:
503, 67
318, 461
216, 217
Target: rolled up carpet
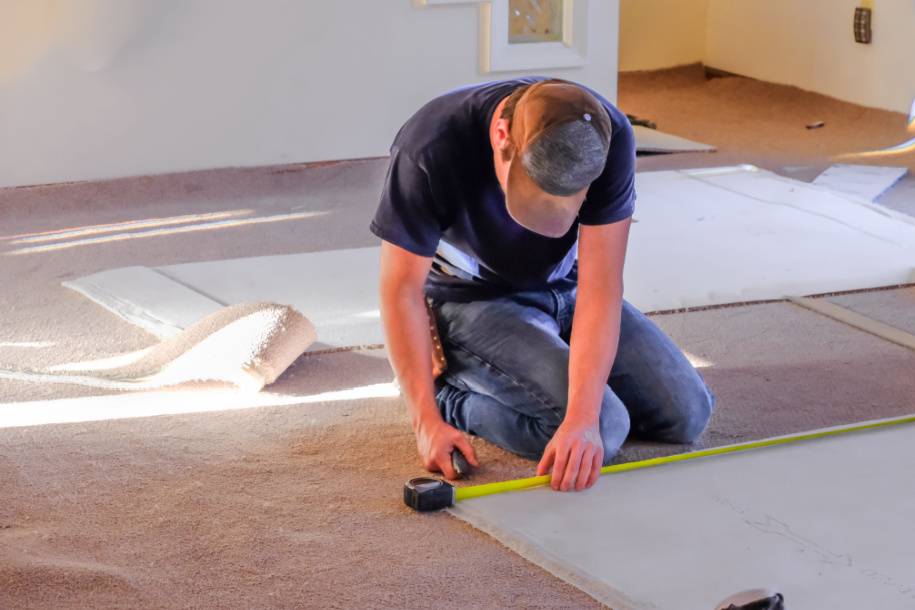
247, 345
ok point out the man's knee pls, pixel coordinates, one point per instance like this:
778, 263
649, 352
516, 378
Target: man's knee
614, 425
693, 416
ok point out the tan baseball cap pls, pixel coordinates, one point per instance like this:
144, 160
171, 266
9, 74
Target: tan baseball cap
561, 134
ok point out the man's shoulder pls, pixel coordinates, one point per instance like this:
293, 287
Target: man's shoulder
617, 118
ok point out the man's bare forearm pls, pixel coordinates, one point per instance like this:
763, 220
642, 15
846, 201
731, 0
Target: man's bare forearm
598, 309
594, 341
403, 313
406, 326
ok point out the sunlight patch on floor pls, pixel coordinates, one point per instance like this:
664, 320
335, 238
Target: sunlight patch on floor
129, 225
698, 361
150, 404
163, 232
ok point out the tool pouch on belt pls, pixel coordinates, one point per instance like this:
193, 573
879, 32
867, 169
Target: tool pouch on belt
438, 353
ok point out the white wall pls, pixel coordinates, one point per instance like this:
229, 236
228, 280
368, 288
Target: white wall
806, 43
661, 33
93, 89
809, 44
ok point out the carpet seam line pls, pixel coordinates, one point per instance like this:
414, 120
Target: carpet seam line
856, 320
188, 286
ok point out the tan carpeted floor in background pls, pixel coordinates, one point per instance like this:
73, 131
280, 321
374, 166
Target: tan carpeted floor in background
758, 120
299, 506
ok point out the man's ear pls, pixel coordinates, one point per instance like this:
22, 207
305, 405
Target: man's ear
502, 135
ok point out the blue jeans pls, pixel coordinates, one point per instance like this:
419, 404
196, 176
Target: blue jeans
507, 378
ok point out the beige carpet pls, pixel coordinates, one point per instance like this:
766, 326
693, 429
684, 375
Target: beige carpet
298, 506
751, 121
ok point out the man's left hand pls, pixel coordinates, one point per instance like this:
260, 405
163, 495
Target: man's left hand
574, 455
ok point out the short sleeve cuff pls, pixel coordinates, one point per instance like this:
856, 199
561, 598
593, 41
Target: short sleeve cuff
611, 215
403, 241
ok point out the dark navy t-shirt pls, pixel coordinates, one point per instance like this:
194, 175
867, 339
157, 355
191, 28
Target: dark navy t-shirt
441, 199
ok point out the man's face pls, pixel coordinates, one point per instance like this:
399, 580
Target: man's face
527, 195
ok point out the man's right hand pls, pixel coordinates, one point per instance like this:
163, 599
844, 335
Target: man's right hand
435, 441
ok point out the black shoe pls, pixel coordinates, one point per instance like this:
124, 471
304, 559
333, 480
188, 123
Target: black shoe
756, 599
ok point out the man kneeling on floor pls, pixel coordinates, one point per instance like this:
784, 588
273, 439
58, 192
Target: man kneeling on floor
506, 212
